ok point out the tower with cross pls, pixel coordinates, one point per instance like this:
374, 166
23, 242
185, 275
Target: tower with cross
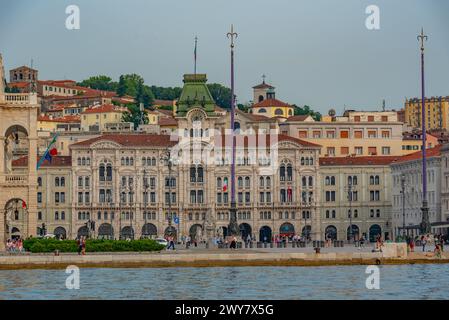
262, 91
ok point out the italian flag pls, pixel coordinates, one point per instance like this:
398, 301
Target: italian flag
225, 184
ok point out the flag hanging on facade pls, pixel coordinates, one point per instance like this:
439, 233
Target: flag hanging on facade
225, 184
51, 151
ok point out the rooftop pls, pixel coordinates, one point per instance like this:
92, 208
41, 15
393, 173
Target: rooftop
270, 103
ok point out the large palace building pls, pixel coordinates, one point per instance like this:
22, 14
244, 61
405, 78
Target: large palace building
174, 176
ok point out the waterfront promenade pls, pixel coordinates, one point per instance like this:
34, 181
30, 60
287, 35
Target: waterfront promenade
198, 257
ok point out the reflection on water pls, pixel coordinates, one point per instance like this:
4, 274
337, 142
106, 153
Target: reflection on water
343, 282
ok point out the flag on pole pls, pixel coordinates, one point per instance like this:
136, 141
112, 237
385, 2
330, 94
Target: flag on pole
51, 151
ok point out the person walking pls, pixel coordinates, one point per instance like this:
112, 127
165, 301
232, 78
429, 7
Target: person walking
171, 243
423, 242
233, 243
79, 245
83, 246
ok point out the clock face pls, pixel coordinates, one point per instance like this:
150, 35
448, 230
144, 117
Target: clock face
196, 118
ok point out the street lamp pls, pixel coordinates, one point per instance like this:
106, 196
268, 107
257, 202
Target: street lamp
233, 226
425, 223
403, 203
145, 202
350, 208
167, 158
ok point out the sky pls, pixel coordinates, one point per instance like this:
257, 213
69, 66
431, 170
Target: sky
316, 52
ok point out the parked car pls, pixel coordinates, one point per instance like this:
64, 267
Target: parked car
162, 241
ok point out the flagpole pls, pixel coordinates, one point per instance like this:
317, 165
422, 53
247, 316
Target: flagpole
196, 42
42, 159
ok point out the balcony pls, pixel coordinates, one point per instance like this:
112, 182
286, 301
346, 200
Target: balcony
16, 180
20, 98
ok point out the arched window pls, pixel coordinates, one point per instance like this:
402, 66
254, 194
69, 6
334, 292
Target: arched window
88, 161
261, 182
332, 181
310, 181
122, 161
192, 174
153, 161
260, 98
349, 180
282, 172
247, 182
83, 161
101, 172
376, 180
127, 161
219, 183
57, 182
289, 172
311, 161
302, 161
109, 172
200, 173
304, 182
278, 112
262, 110
268, 182
371, 180
79, 161
62, 182
354, 180
240, 182
39, 181
327, 181
290, 112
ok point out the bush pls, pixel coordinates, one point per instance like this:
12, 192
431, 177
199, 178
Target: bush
92, 245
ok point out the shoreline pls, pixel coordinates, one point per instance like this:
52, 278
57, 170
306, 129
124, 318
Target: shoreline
215, 259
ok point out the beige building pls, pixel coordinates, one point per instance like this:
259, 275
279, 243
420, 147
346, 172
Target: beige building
97, 117
354, 134
437, 113
18, 137
356, 191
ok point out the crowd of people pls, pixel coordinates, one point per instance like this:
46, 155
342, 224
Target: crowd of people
14, 245
427, 241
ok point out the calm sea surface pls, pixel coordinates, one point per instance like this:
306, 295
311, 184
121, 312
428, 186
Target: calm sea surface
345, 282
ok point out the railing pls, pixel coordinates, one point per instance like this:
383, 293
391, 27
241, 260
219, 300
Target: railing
16, 179
20, 98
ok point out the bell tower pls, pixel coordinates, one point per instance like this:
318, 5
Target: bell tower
18, 143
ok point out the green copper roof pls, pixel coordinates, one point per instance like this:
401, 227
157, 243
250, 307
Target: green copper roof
195, 94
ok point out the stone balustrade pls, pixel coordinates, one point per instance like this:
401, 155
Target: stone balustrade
20, 98
16, 179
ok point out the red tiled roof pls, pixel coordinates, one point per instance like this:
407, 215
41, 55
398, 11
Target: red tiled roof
165, 112
22, 84
104, 108
243, 141
65, 119
258, 117
134, 140
263, 85
159, 102
270, 103
298, 118
358, 161
430, 152
56, 161
167, 121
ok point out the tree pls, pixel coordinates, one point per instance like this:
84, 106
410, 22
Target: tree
121, 87
221, 95
144, 95
306, 110
135, 116
100, 82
